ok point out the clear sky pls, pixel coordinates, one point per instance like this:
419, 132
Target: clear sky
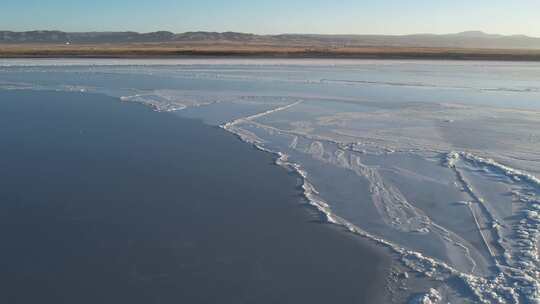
276, 16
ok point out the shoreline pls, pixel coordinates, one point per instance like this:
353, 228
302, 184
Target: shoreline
150, 51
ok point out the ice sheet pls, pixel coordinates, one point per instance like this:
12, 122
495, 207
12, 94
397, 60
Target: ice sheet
437, 161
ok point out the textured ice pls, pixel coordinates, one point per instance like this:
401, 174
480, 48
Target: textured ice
436, 161
430, 297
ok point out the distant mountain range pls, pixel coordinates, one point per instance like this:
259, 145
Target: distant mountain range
470, 39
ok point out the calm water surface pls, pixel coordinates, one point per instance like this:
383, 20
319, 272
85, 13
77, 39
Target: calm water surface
103, 202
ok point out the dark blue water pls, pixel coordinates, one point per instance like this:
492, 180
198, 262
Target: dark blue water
105, 202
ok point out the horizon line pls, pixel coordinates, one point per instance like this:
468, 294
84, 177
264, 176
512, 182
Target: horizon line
268, 34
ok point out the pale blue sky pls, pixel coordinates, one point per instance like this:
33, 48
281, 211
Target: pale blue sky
277, 16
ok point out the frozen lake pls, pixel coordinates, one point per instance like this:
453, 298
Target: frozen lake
436, 161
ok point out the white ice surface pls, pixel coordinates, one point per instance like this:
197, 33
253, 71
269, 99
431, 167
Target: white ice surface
436, 161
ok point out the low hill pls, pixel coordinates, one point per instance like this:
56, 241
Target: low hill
471, 39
